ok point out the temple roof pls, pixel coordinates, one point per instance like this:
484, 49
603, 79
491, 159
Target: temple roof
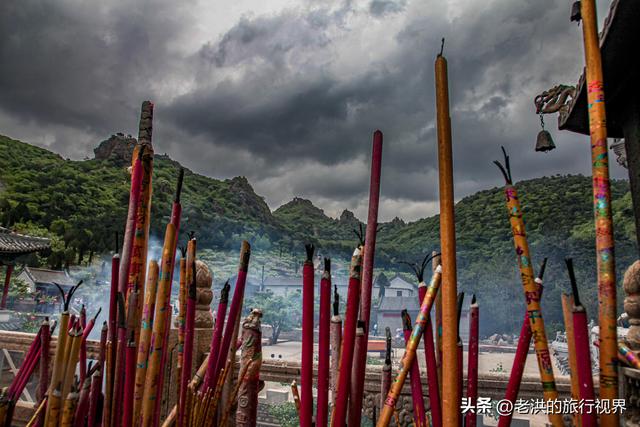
13, 244
45, 276
618, 42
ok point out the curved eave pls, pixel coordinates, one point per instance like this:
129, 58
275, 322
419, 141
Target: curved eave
620, 65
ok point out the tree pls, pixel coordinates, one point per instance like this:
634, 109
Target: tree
281, 312
382, 283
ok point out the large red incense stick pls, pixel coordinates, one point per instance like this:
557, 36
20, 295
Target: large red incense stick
234, 309
82, 408
520, 358
189, 331
94, 397
129, 379
472, 364
419, 417
355, 407
435, 404
118, 371
217, 335
323, 345
338, 417
127, 242
336, 341
583, 351
306, 363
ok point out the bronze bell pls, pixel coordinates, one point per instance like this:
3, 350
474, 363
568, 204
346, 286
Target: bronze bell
544, 142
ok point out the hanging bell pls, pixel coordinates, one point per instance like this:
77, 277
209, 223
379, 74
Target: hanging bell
544, 141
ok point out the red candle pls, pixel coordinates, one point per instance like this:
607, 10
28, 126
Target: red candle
323, 345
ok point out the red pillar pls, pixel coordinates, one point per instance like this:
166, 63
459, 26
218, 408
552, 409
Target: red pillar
5, 292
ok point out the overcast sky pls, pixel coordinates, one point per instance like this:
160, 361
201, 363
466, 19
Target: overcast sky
289, 92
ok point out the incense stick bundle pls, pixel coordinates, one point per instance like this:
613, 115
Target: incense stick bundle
472, 364
385, 383
194, 384
360, 356
530, 289
582, 349
75, 338
306, 362
323, 345
146, 325
250, 362
419, 417
153, 386
520, 358
189, 326
336, 340
234, 309
58, 367
229, 381
338, 416
410, 351
216, 338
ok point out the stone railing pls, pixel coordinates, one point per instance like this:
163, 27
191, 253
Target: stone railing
280, 371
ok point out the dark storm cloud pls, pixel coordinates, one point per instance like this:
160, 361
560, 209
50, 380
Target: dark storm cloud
290, 98
380, 8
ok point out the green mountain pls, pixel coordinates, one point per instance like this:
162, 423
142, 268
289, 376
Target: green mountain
81, 205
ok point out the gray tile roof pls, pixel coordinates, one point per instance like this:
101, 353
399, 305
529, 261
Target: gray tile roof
17, 244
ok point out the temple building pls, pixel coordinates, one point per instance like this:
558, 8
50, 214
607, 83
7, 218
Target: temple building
13, 246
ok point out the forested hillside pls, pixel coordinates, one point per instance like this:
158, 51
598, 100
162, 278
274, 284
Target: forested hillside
82, 204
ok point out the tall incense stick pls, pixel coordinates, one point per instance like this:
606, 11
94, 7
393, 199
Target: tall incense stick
602, 210
323, 345
530, 288
450, 396
360, 357
306, 363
